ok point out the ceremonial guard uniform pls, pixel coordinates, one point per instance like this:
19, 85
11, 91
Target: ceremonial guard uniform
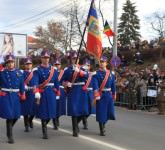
74, 80
48, 85
92, 109
28, 107
104, 93
12, 91
88, 87
61, 102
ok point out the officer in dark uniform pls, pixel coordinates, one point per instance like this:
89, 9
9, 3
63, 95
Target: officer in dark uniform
104, 93
46, 77
12, 92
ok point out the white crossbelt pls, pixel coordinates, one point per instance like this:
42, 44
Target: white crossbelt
61, 87
10, 90
89, 89
106, 89
50, 84
30, 87
78, 83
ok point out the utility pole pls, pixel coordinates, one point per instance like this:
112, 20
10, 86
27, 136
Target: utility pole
115, 28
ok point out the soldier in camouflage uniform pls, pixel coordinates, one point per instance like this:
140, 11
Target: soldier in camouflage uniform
132, 93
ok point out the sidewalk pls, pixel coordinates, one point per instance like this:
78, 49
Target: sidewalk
152, 110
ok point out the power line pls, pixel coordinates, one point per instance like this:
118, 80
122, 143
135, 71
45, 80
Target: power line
29, 19
43, 12
40, 15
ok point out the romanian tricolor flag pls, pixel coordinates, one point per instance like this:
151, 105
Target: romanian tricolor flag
107, 30
94, 41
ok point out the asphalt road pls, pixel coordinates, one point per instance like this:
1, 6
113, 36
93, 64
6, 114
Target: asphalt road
133, 130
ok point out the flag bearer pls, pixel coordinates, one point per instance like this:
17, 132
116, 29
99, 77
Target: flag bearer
74, 80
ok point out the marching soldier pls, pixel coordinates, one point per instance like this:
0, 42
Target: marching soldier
12, 92
47, 82
61, 103
28, 107
104, 93
73, 80
88, 87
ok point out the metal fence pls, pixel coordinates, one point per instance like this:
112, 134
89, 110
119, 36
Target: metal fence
145, 100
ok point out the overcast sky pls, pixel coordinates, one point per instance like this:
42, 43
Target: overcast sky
14, 13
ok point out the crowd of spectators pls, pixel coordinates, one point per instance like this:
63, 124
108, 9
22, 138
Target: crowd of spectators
138, 87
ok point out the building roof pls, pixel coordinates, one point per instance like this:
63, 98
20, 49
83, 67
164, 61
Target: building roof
31, 39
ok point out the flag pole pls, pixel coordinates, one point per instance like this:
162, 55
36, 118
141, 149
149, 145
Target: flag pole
115, 28
110, 41
83, 35
81, 44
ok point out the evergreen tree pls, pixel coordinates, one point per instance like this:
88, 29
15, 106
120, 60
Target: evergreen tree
129, 24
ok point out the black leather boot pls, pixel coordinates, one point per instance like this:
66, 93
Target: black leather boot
102, 129
31, 122
14, 121
79, 118
44, 129
85, 123
26, 123
55, 127
57, 122
9, 131
47, 121
75, 127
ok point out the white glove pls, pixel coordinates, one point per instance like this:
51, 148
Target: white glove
57, 97
75, 68
26, 87
98, 98
86, 67
37, 95
69, 84
93, 73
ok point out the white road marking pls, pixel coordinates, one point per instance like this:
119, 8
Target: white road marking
115, 147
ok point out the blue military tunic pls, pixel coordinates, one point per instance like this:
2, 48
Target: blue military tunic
61, 102
28, 107
77, 104
11, 83
90, 94
47, 107
105, 106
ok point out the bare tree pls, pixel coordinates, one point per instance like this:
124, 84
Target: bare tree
79, 25
66, 37
157, 21
75, 23
52, 36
